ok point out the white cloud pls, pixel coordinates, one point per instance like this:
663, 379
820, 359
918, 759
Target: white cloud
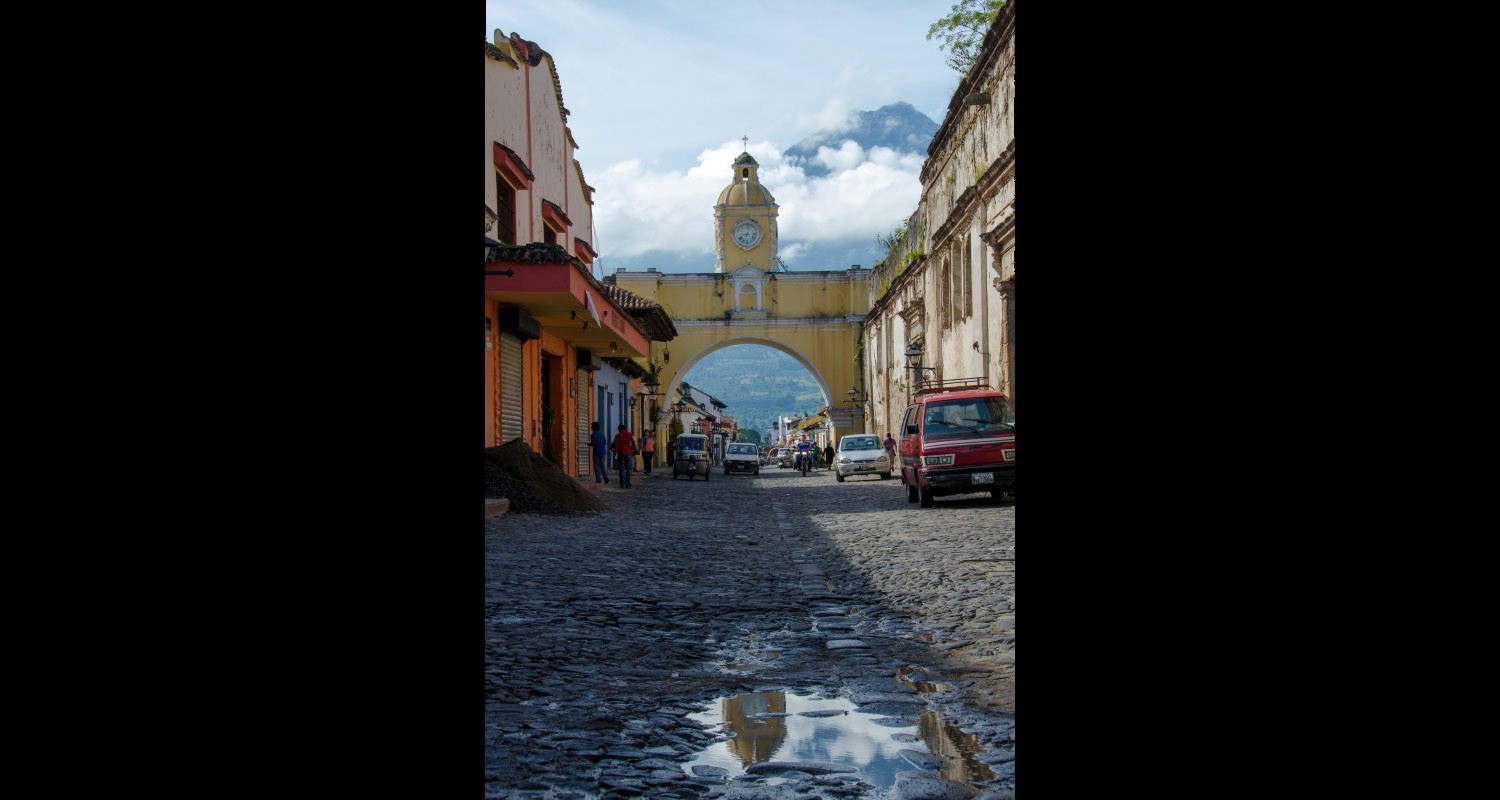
866, 193
651, 83
848, 156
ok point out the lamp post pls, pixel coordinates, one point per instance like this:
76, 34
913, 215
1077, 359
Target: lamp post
914, 363
856, 400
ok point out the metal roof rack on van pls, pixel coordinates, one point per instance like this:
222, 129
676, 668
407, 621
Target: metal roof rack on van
951, 385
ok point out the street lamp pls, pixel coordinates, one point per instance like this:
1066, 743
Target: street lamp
914, 363
855, 400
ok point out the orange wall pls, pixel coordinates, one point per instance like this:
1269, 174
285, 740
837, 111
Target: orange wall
531, 411
491, 411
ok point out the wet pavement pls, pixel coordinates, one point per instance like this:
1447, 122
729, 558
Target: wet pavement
771, 636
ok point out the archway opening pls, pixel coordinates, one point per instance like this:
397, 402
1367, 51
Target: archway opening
769, 392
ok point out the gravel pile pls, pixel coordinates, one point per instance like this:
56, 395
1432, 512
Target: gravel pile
532, 483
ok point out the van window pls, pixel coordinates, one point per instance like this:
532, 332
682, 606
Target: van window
967, 418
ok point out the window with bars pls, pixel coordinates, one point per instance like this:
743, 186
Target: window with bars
505, 208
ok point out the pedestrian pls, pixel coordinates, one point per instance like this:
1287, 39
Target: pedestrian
598, 447
671, 451
890, 447
648, 450
624, 448
817, 454
828, 456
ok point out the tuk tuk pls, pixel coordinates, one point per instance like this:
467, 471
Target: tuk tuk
691, 458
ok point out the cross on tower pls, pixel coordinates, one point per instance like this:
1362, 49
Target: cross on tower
746, 140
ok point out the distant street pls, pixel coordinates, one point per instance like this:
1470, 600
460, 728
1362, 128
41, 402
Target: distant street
771, 636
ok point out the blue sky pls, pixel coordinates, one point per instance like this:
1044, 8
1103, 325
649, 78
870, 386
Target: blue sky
660, 92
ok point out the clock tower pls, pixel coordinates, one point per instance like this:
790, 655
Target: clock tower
745, 221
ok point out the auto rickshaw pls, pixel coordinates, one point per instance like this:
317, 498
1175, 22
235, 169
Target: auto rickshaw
691, 458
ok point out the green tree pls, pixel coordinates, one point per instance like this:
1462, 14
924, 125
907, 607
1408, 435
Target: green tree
750, 435
961, 32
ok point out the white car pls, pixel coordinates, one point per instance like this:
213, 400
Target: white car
861, 454
742, 457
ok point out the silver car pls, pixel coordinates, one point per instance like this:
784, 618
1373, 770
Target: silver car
861, 454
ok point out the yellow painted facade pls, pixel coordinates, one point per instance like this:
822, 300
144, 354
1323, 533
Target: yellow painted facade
814, 317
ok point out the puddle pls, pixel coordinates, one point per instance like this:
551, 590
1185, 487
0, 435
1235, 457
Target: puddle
910, 677
776, 726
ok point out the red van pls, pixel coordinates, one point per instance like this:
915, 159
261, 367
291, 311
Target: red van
957, 437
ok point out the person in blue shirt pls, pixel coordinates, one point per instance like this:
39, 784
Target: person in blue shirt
599, 447
804, 452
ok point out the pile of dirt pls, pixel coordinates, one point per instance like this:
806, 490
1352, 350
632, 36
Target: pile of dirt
533, 484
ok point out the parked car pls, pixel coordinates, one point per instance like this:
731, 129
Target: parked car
692, 458
957, 440
783, 457
741, 457
860, 454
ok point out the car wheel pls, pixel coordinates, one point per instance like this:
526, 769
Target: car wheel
706, 474
885, 476
757, 471
924, 497
911, 493
838, 477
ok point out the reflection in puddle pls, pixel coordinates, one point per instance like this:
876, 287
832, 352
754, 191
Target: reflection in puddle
775, 726
910, 677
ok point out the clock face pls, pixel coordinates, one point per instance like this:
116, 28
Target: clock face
746, 234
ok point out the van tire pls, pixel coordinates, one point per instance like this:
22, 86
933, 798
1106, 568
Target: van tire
924, 497
885, 476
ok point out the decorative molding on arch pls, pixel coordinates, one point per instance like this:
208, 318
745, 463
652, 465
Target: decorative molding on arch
749, 279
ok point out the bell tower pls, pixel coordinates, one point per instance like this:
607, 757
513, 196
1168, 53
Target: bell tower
745, 220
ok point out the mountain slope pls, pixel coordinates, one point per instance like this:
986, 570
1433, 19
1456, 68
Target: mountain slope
758, 384
898, 126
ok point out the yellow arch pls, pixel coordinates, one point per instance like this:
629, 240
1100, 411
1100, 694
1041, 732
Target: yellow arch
814, 317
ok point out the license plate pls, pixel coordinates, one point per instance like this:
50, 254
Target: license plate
1010, 455
984, 477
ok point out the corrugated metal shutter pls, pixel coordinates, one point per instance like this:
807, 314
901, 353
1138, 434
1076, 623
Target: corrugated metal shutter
511, 395
585, 467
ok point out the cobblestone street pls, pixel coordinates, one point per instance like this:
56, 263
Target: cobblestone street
609, 635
